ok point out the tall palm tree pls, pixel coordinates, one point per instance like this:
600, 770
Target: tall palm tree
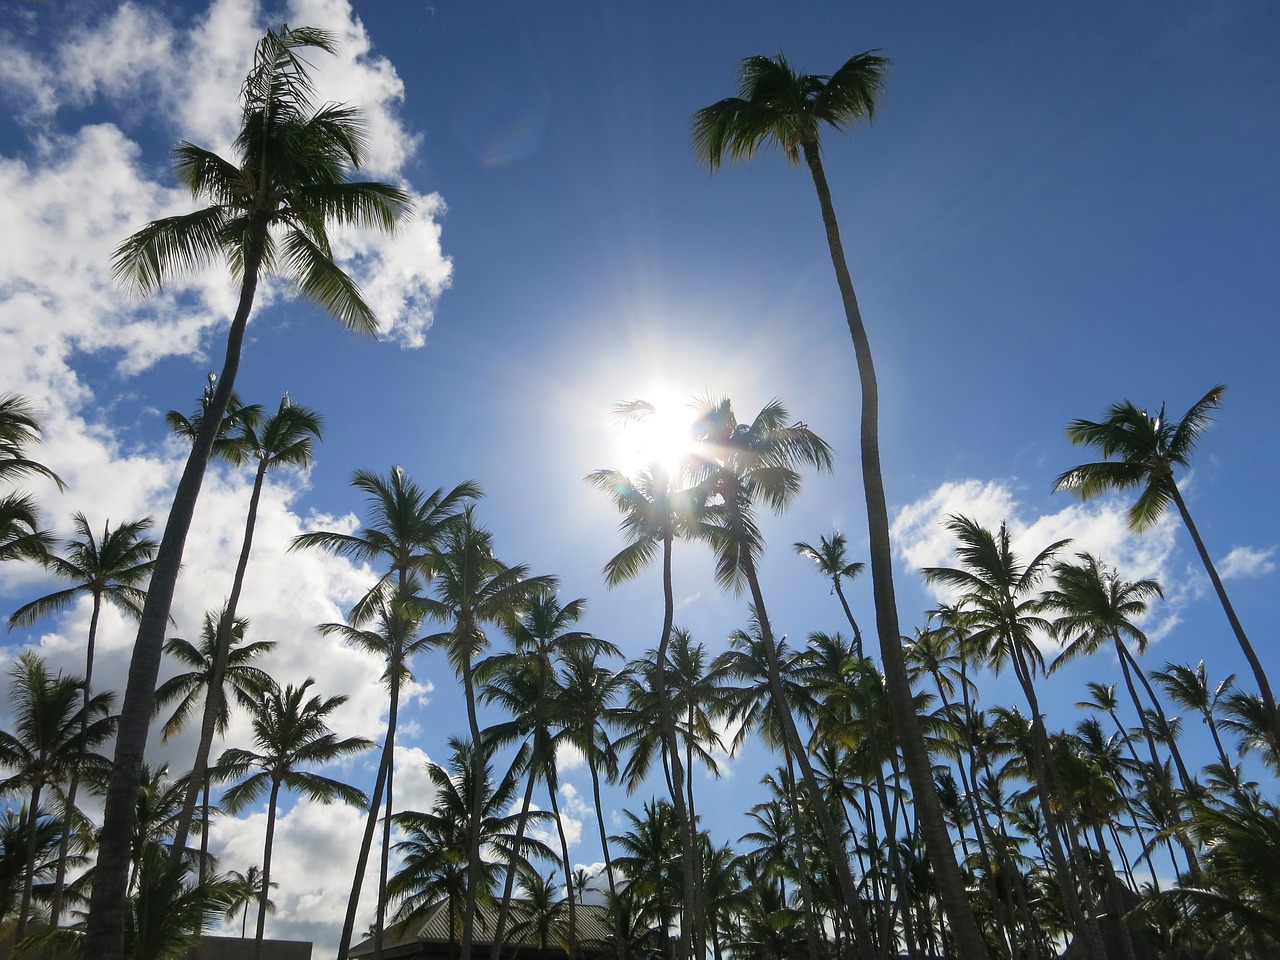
269, 211
436, 854
658, 509
291, 732
54, 736
776, 105
1000, 593
588, 695
526, 683
394, 638
108, 568
652, 861
473, 589
829, 558
247, 890
402, 523
284, 439
1142, 451
741, 463
185, 691
1189, 688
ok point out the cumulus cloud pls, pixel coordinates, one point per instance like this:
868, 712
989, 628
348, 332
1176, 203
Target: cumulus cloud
1099, 527
67, 200
1247, 562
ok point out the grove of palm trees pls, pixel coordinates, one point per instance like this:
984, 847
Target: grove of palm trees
558, 626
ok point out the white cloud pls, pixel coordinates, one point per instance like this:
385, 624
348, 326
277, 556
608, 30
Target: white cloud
1098, 527
1247, 562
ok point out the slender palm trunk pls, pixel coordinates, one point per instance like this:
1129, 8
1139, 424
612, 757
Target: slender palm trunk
480, 759
965, 931
833, 838
384, 861
73, 788
504, 908
214, 695
1049, 790
1259, 674
266, 868
29, 875
671, 751
104, 936
604, 844
362, 859
572, 947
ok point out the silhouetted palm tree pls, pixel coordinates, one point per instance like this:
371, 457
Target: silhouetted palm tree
269, 213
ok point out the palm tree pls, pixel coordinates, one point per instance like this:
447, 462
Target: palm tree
20, 535
740, 463
656, 511
525, 682
291, 733
587, 696
402, 523
289, 176
1189, 688
54, 736
247, 889
829, 558
284, 439
15, 850
436, 854
473, 588
394, 639
110, 568
778, 106
652, 862
999, 593
185, 691
1142, 451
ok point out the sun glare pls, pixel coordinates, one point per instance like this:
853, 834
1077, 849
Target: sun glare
657, 435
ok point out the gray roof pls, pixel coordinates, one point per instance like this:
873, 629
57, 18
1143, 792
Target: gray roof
433, 928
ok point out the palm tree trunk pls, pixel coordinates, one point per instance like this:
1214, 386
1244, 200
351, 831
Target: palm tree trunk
362, 859
864, 946
64, 845
572, 949
266, 868
214, 696
29, 875
381, 922
604, 845
104, 936
933, 826
480, 760
504, 908
1259, 674
671, 751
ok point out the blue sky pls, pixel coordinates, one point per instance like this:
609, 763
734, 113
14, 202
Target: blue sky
1055, 208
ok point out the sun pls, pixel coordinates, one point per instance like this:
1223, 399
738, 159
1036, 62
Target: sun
655, 431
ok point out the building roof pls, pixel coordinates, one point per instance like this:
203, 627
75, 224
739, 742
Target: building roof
429, 934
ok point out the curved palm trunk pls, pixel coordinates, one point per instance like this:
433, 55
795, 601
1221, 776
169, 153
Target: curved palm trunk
504, 908
214, 696
104, 936
29, 875
1049, 790
1175, 807
604, 846
1259, 674
572, 948
64, 845
362, 859
965, 932
864, 947
692, 914
393, 713
266, 868
477, 812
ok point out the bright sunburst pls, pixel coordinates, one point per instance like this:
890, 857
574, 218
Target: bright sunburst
655, 430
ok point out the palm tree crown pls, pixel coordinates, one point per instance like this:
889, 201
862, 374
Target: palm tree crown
777, 105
